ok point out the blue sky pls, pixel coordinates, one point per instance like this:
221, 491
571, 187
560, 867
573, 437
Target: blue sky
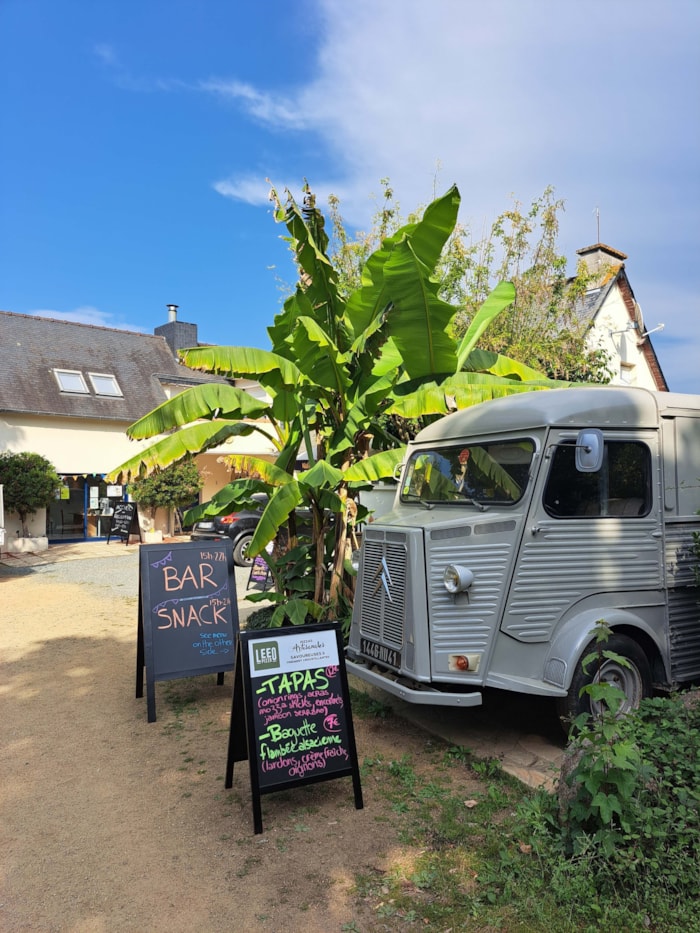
137, 137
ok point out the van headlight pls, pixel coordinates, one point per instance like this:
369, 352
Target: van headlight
457, 579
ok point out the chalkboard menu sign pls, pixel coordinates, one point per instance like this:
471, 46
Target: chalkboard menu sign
188, 613
125, 522
291, 713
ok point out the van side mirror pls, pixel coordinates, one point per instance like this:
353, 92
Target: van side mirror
589, 450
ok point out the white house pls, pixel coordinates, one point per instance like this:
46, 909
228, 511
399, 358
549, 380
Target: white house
69, 391
615, 319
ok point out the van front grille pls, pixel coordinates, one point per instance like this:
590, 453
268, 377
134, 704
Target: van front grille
383, 597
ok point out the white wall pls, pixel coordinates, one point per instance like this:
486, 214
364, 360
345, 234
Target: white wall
612, 334
72, 446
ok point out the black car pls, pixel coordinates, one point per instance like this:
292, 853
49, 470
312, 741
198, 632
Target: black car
238, 526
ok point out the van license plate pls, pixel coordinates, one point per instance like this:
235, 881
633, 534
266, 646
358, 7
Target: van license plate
380, 653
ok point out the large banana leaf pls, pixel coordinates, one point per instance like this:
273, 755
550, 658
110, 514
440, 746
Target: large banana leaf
427, 238
321, 476
389, 359
499, 299
256, 466
270, 369
379, 466
419, 319
198, 402
232, 498
282, 503
459, 391
498, 365
366, 306
193, 439
318, 357
433, 231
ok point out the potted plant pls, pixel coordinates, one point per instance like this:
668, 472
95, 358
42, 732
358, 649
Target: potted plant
29, 484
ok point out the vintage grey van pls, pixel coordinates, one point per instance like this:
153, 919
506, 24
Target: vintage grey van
516, 526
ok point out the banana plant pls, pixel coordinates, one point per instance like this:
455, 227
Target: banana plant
336, 365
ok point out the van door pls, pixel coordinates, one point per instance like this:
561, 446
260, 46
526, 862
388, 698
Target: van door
592, 540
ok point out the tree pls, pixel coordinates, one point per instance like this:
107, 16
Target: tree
29, 483
172, 488
338, 364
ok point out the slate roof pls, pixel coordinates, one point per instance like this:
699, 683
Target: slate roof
32, 347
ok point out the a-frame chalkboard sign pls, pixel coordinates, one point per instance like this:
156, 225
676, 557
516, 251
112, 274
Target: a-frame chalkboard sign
290, 715
188, 613
125, 522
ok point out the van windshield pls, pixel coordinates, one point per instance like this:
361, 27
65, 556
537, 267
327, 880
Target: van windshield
491, 472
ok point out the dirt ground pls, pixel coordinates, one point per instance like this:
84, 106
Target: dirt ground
109, 823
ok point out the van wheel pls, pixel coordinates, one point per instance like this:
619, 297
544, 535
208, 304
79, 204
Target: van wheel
634, 681
240, 551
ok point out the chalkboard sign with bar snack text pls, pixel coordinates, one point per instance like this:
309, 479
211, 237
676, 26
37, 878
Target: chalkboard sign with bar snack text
188, 613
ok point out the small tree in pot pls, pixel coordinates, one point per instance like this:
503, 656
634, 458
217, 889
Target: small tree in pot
171, 488
30, 483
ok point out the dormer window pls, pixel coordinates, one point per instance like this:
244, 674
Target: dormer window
105, 384
71, 380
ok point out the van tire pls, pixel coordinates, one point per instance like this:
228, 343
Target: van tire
635, 680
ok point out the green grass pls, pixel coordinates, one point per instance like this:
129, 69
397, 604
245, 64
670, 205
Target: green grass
496, 861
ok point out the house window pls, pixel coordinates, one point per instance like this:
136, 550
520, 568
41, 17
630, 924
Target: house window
71, 380
105, 384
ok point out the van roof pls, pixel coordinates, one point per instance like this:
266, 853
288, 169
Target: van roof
579, 407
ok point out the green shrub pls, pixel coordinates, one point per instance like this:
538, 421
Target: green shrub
622, 841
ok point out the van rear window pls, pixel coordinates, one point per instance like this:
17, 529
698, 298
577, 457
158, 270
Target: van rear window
489, 472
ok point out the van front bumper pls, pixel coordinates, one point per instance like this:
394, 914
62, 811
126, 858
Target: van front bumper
410, 691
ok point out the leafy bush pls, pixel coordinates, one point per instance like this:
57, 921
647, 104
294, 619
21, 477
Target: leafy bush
622, 841
172, 487
29, 483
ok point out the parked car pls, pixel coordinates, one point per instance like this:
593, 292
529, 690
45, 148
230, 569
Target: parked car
238, 526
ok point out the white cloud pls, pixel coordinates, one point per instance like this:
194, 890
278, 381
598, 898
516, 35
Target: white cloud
263, 106
509, 97
86, 314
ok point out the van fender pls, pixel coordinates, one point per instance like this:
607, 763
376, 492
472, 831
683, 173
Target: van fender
575, 634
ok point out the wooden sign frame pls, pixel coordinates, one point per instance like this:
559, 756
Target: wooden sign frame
188, 613
290, 713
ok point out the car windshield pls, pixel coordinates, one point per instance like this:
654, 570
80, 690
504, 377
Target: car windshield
490, 472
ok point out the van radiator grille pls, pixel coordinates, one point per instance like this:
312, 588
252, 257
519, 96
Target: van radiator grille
383, 597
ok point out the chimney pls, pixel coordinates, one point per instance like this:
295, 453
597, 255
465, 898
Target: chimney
599, 258
178, 334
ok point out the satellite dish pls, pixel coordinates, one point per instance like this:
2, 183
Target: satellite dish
638, 319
